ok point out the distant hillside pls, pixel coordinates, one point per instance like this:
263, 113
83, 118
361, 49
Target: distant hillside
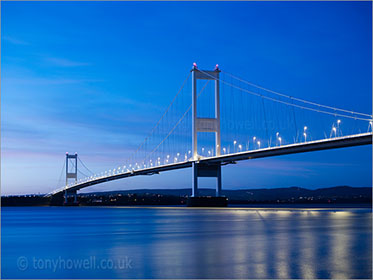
259, 195
293, 195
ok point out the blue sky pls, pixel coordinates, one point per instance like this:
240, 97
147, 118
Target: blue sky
93, 78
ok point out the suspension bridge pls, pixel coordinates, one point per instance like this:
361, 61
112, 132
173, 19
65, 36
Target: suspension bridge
217, 118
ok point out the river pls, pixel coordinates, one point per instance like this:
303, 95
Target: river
180, 242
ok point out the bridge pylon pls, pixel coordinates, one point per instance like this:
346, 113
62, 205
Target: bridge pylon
208, 125
71, 175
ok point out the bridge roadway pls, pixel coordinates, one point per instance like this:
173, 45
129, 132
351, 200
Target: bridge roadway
309, 146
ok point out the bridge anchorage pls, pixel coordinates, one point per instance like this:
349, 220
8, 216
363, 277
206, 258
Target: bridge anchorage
263, 123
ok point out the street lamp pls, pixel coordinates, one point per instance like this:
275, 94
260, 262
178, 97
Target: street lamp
338, 123
258, 144
278, 137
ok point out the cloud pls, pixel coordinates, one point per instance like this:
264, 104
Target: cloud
15, 41
63, 62
49, 81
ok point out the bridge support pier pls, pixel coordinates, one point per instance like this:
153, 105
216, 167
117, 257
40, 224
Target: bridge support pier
206, 170
218, 182
67, 195
194, 179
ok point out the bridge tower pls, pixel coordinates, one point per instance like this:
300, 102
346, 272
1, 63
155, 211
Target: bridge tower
209, 125
71, 175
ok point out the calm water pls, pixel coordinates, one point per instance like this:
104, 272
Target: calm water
88, 242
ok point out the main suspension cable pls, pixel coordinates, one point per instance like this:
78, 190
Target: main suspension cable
286, 103
296, 99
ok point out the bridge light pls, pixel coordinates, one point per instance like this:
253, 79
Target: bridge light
277, 134
305, 128
224, 150
279, 139
305, 137
254, 138
339, 121
194, 65
335, 131
234, 142
189, 151
178, 154
258, 144
240, 147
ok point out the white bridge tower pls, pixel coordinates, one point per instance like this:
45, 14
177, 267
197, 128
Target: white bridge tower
207, 125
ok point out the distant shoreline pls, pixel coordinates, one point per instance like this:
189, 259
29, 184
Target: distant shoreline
293, 197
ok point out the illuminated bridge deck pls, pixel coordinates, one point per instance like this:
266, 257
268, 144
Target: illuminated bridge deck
318, 145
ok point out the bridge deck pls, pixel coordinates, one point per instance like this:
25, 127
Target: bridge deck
318, 145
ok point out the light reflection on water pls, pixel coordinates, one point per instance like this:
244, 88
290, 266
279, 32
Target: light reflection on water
189, 243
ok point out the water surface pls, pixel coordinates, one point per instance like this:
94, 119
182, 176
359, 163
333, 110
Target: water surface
127, 242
